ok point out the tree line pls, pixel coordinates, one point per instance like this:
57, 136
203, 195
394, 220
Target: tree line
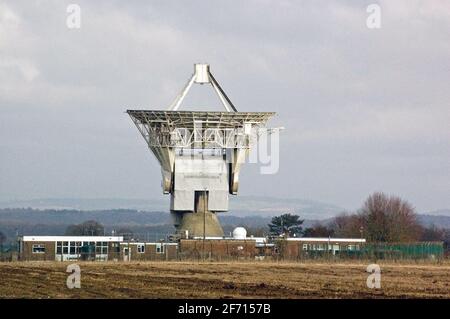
382, 218
94, 228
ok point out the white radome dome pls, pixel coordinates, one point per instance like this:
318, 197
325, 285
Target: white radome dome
239, 233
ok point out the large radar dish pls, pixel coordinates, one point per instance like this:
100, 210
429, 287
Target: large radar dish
200, 153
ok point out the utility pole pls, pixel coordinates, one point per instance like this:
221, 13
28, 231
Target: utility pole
204, 222
328, 246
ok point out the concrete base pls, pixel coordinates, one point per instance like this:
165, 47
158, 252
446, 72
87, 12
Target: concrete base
199, 223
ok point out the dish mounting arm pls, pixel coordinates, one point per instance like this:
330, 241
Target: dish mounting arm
202, 75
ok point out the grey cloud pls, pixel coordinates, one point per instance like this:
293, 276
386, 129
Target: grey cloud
364, 109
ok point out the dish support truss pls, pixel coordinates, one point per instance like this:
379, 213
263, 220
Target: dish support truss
202, 75
180, 133
200, 154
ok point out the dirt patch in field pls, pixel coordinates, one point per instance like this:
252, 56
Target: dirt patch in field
223, 280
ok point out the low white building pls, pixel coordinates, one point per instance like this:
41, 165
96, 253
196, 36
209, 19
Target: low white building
64, 248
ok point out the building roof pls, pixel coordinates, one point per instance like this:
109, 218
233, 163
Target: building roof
146, 243
326, 239
223, 238
73, 238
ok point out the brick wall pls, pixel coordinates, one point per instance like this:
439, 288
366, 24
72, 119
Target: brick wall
169, 252
27, 251
226, 249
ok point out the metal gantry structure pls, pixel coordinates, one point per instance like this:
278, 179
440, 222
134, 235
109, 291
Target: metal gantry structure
200, 154
184, 129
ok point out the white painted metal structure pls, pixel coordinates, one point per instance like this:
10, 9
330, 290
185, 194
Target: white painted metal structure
200, 153
202, 75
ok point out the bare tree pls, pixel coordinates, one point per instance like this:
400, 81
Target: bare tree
318, 230
127, 233
433, 233
347, 225
87, 228
2, 240
375, 216
256, 231
382, 218
389, 219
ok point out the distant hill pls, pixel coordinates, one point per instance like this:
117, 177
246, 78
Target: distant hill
109, 217
89, 204
439, 212
436, 220
271, 206
239, 206
144, 224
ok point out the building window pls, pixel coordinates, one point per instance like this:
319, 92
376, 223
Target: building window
141, 248
115, 247
305, 246
65, 247
353, 247
72, 248
159, 248
38, 249
101, 247
78, 247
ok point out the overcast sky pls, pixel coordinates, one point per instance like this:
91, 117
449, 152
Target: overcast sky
364, 109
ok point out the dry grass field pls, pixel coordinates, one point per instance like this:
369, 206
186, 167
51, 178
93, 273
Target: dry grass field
223, 280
